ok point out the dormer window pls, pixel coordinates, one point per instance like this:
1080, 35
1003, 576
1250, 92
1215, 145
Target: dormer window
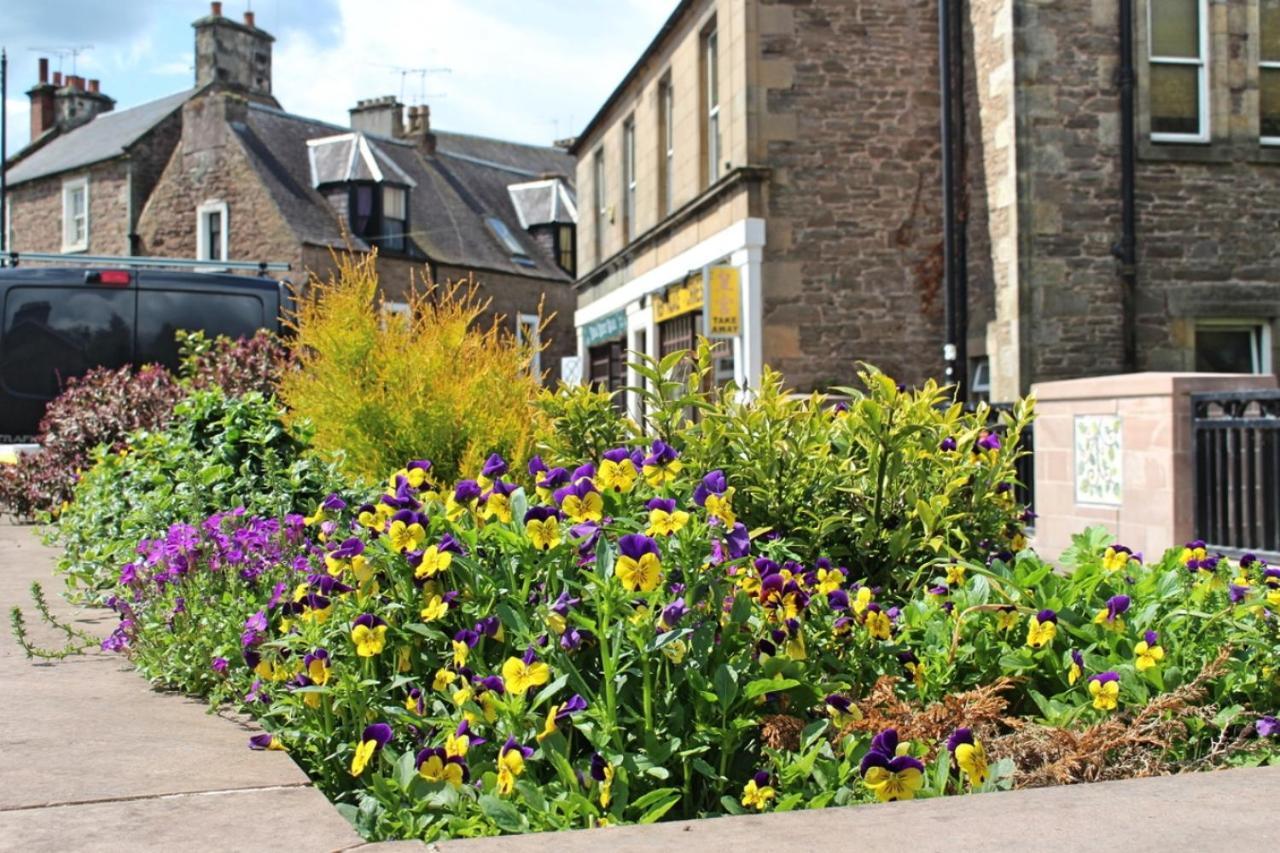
379, 215
351, 168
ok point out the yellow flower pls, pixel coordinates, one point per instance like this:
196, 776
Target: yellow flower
437, 769
861, 600
318, 671
520, 676
364, 752
544, 534
1115, 625
444, 677
1114, 560
405, 537
1007, 620
718, 506
404, 659
890, 785
641, 575
1147, 655
878, 624
757, 796
663, 523
460, 653
971, 758
436, 608
433, 562
829, 581
498, 505
589, 507
616, 476
369, 640
606, 787
955, 575
456, 745
1105, 693
795, 647
549, 725
506, 781
361, 569
658, 476
675, 651
1041, 634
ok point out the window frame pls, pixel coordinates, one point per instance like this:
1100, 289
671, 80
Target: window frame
710, 68
69, 186
599, 200
629, 178
203, 211
399, 241
1260, 345
531, 322
1263, 66
567, 249
1201, 63
667, 147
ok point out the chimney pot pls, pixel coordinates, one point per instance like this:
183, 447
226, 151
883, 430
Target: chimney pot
44, 69
57, 78
93, 86
248, 18
215, 9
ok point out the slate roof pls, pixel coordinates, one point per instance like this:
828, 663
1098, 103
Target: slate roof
452, 191
543, 202
104, 137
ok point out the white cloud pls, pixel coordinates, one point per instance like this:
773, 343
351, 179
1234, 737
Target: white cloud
19, 121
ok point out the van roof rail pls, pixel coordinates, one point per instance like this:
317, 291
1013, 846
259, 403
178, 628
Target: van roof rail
12, 259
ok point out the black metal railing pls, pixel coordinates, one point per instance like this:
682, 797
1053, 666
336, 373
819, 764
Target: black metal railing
1237, 469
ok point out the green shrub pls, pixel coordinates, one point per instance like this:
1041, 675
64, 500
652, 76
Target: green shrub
216, 453
382, 388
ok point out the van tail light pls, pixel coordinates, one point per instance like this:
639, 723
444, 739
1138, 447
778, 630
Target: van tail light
118, 278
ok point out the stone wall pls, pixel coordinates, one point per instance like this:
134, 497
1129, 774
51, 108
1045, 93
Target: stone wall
35, 210
853, 263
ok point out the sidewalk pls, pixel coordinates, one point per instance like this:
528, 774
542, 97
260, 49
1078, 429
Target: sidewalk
92, 759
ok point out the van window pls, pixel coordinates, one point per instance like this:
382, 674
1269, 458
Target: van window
54, 333
161, 313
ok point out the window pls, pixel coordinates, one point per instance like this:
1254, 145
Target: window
667, 154
395, 218
1230, 346
1269, 71
1179, 87
629, 179
608, 370
161, 313
211, 231
51, 334
980, 380
527, 336
711, 87
600, 217
508, 240
565, 248
75, 215
380, 215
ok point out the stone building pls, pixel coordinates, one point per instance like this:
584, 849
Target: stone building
223, 172
798, 144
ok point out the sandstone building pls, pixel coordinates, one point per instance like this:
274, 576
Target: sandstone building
798, 145
223, 172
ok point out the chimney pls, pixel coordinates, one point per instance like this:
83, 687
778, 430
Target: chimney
93, 86
419, 129
233, 56
57, 78
41, 95
383, 116
78, 101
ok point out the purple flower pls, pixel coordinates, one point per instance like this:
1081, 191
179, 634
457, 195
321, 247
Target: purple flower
541, 513
1237, 593
598, 765
1046, 615
554, 479
673, 613
349, 548
667, 505
959, 736
571, 639
493, 683
990, 441
467, 636
466, 491
1077, 658
712, 484
333, 503
1151, 638
563, 604
219, 665
1104, 677
489, 626
948, 443
1268, 726
262, 741
536, 466
636, 545
617, 454
575, 704
838, 599
379, 733
1116, 605
739, 541
494, 466
661, 454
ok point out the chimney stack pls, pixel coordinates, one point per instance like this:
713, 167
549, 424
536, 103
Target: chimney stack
419, 129
383, 116
234, 56
93, 86
77, 102
41, 95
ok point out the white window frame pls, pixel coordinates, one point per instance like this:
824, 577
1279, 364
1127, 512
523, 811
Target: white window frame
1263, 64
1262, 348
668, 113
1201, 63
629, 178
202, 230
69, 186
711, 68
533, 340
600, 199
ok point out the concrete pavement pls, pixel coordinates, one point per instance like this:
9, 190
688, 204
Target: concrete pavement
92, 759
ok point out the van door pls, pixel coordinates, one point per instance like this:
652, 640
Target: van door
53, 332
162, 311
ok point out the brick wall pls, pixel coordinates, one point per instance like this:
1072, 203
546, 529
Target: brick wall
853, 260
35, 210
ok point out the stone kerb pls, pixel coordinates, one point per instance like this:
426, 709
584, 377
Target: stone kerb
1117, 450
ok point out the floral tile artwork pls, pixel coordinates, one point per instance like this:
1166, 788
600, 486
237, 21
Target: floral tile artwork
1097, 459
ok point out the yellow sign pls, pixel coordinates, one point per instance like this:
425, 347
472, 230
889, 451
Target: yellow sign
724, 303
679, 299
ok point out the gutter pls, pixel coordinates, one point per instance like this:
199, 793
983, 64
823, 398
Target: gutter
1126, 251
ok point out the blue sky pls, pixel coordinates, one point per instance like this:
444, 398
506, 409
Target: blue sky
526, 70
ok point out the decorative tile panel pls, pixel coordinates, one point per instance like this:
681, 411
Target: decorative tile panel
1098, 459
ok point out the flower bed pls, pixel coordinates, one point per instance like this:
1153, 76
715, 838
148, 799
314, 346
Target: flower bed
615, 646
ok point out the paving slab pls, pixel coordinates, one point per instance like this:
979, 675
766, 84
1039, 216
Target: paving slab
92, 758
1229, 809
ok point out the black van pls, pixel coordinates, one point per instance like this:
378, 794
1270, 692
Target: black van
56, 323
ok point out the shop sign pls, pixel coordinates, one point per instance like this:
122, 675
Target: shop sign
724, 302
606, 328
679, 299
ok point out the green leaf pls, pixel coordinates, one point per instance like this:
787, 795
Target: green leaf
726, 685
503, 814
653, 796
761, 686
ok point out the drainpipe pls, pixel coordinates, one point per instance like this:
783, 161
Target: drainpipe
1127, 249
953, 242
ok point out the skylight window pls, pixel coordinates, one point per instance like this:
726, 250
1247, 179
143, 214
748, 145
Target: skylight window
504, 235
